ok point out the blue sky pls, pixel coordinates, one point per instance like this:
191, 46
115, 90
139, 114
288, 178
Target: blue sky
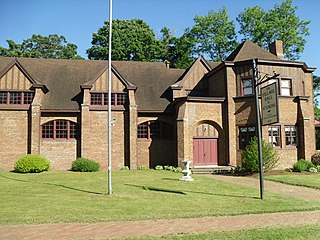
78, 19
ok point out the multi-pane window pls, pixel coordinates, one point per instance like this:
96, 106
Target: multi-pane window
285, 87
3, 97
291, 136
59, 129
245, 136
274, 136
16, 98
101, 99
154, 130
247, 87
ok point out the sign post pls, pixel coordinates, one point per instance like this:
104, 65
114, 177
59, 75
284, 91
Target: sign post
270, 112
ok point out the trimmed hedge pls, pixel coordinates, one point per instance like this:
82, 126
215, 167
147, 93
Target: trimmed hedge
31, 163
84, 165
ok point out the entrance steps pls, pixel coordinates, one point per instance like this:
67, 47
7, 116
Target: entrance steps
212, 170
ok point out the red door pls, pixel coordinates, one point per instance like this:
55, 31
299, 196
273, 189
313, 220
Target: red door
205, 151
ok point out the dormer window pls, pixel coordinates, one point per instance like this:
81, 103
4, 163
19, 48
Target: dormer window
16, 98
246, 85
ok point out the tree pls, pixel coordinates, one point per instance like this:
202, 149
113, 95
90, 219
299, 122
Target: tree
52, 46
280, 22
132, 40
176, 50
214, 35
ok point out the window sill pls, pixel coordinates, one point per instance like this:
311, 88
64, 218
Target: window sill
105, 108
15, 107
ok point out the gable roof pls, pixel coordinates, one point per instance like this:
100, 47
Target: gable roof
249, 50
208, 65
63, 78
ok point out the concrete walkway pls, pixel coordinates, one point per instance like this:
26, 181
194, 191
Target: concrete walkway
109, 230
285, 189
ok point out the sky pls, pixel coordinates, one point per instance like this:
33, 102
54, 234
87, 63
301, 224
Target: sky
78, 19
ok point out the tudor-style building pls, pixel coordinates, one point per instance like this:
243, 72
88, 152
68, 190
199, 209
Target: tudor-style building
206, 113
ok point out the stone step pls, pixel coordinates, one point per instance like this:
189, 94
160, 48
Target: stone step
212, 170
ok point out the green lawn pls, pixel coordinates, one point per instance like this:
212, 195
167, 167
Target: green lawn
306, 180
310, 232
52, 197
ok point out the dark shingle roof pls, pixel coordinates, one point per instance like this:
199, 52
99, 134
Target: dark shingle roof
63, 78
249, 50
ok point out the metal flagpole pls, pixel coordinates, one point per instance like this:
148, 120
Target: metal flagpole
109, 102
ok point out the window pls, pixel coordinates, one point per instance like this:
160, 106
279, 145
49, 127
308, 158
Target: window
16, 98
246, 87
291, 136
245, 135
101, 99
59, 129
274, 136
154, 130
285, 87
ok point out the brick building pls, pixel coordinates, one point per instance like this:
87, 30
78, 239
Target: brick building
206, 113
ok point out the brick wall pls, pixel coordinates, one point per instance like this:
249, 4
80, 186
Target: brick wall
13, 137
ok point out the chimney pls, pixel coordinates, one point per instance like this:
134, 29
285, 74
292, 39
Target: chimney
167, 63
276, 48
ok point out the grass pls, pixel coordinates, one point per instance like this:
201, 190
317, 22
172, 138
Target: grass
308, 232
305, 180
52, 197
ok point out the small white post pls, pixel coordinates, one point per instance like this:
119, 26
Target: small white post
186, 171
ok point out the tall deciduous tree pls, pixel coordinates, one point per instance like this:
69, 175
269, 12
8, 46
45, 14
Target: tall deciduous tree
52, 46
280, 22
131, 40
214, 35
176, 50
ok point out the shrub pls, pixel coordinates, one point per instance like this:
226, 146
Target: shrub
315, 159
158, 167
32, 163
168, 168
143, 168
125, 168
250, 156
302, 165
177, 169
85, 165
313, 169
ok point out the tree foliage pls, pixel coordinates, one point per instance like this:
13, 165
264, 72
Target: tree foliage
132, 40
52, 46
214, 35
176, 50
281, 22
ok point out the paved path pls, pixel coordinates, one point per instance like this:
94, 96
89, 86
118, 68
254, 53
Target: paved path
109, 230
285, 189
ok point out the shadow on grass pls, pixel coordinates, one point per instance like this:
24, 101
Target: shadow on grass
54, 184
184, 192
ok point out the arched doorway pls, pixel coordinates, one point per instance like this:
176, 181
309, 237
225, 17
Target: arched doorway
205, 146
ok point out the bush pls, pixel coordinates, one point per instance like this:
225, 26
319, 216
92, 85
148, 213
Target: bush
85, 165
302, 165
125, 168
143, 168
158, 167
313, 169
315, 159
250, 156
31, 163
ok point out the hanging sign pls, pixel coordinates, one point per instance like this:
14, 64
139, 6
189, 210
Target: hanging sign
270, 104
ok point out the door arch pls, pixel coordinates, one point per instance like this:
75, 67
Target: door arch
205, 146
